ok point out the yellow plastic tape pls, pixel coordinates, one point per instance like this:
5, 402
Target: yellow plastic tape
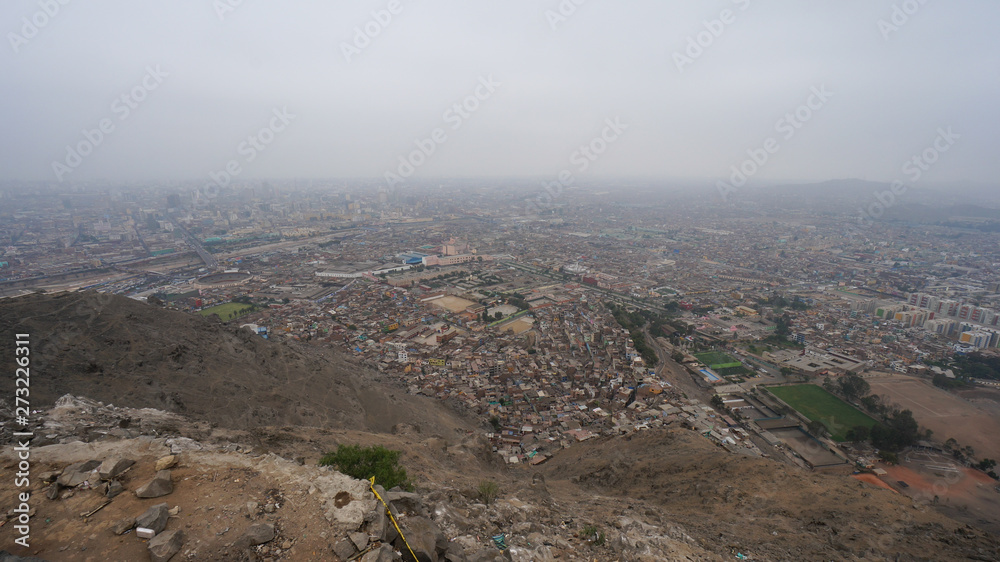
371, 485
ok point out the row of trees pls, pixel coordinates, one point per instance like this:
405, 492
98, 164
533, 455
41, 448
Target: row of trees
897, 430
634, 322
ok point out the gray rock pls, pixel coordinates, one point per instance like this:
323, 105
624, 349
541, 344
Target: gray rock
383, 554
113, 467
378, 524
454, 554
410, 504
360, 540
48, 476
160, 485
114, 488
77, 473
165, 545
53, 491
344, 549
258, 533
425, 539
123, 525
154, 518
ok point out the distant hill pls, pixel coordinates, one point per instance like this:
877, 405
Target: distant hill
122, 351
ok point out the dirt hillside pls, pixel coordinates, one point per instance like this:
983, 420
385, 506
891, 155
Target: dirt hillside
121, 351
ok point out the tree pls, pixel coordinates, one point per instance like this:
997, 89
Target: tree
829, 385
986, 465
900, 431
783, 325
717, 402
498, 315
677, 356
817, 428
858, 434
854, 387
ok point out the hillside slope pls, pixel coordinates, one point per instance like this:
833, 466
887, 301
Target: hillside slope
121, 351
761, 508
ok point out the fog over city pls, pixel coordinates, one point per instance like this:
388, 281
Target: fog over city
128, 91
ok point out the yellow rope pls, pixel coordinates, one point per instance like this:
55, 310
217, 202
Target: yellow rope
371, 484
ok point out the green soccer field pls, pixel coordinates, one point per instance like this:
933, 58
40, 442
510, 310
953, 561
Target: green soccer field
817, 404
716, 359
226, 311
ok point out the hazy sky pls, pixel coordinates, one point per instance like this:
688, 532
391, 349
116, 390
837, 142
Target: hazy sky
210, 75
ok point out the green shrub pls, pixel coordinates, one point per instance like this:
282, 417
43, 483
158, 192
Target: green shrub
365, 462
594, 535
488, 491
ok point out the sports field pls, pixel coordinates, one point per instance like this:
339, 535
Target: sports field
226, 311
716, 359
817, 404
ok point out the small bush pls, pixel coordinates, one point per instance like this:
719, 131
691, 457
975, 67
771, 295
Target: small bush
592, 534
365, 462
488, 491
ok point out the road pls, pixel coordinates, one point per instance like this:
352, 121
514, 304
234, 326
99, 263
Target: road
676, 374
206, 257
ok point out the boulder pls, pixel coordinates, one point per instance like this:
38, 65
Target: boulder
258, 533
113, 489
425, 539
77, 473
360, 540
123, 525
160, 485
166, 462
344, 549
165, 545
383, 554
154, 518
410, 504
112, 467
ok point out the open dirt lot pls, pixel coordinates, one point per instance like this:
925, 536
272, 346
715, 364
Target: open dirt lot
452, 304
963, 493
944, 413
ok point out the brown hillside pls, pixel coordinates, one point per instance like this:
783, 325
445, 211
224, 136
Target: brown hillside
121, 351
